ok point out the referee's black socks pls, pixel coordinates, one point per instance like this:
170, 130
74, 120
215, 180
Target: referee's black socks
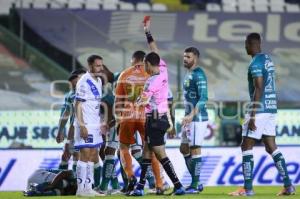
145, 166
166, 163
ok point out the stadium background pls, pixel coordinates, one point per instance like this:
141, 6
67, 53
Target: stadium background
42, 40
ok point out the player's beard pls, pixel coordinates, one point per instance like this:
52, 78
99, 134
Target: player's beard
188, 65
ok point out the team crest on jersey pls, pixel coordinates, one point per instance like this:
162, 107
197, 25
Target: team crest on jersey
187, 83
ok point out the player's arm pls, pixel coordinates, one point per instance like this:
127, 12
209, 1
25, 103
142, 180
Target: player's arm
119, 99
79, 100
65, 113
258, 91
201, 84
257, 76
152, 44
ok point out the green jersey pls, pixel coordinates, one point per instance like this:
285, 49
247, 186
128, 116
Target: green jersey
69, 105
195, 93
262, 66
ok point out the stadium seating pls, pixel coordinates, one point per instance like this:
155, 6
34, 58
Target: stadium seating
143, 7
213, 7
41, 4
92, 4
293, 8
244, 6
159, 7
75, 4
58, 4
106, 5
126, 6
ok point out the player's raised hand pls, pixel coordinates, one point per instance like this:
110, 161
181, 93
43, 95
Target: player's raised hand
146, 23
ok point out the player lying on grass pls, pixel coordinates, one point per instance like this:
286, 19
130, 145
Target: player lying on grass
51, 183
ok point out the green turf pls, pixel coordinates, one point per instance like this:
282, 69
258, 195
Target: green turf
266, 192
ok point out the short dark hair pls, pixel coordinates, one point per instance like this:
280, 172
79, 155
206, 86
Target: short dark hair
254, 36
75, 73
139, 55
193, 50
153, 58
78, 71
91, 59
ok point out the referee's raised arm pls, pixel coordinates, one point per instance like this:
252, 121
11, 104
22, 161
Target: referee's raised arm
150, 40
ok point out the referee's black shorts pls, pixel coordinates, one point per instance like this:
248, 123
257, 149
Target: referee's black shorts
155, 129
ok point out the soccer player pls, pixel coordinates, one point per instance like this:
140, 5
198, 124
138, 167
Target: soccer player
130, 118
194, 123
260, 121
155, 99
67, 112
51, 183
88, 124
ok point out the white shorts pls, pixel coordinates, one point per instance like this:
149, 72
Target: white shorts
265, 125
193, 134
94, 139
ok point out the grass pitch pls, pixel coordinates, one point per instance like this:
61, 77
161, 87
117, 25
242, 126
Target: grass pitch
262, 192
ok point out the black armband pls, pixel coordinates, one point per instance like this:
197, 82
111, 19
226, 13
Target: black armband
149, 37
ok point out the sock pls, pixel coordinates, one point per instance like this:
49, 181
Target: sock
107, 171
248, 169
89, 176
81, 174
97, 174
195, 170
123, 174
156, 172
114, 179
188, 159
149, 175
126, 162
74, 166
281, 167
63, 165
145, 166
166, 163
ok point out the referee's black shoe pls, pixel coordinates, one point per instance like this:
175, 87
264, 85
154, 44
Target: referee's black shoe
131, 184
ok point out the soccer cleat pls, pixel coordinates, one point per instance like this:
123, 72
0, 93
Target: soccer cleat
114, 192
131, 184
89, 193
137, 192
30, 193
166, 186
151, 191
179, 191
159, 191
242, 192
200, 187
191, 190
286, 191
